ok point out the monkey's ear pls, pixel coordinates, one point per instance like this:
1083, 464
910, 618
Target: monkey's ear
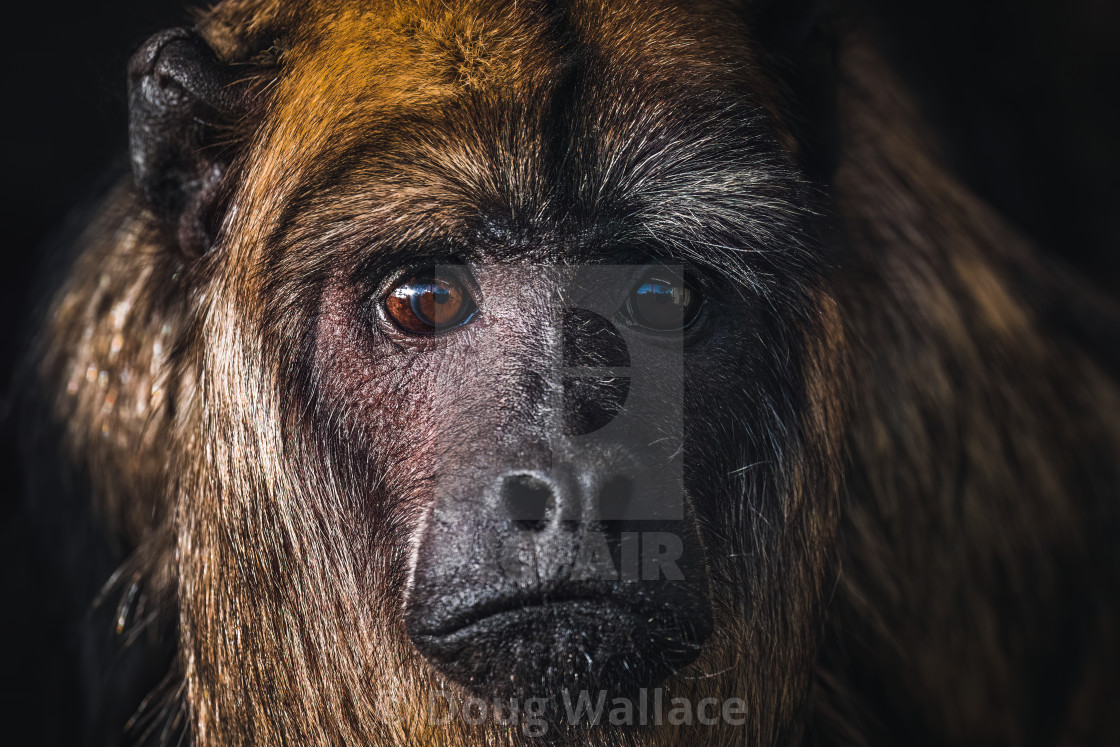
180, 96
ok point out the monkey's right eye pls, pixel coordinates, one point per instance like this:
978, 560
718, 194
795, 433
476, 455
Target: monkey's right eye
430, 302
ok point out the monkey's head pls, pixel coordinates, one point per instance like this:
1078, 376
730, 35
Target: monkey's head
507, 362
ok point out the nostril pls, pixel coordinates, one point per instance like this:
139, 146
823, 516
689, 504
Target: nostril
528, 500
614, 496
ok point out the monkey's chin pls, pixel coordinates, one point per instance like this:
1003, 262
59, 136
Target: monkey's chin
540, 650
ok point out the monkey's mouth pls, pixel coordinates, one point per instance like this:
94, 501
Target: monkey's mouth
521, 646
494, 610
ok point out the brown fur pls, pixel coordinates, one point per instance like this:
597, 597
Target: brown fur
941, 508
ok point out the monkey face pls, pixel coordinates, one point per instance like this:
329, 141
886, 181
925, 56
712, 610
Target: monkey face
538, 419
546, 397
536, 407
555, 551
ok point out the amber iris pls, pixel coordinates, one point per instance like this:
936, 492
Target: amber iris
429, 302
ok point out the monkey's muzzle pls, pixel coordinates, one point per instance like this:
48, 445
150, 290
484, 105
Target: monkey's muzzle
516, 607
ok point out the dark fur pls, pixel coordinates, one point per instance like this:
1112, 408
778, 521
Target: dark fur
919, 435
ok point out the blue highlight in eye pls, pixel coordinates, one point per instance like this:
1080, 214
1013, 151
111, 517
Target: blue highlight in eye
661, 305
656, 291
440, 294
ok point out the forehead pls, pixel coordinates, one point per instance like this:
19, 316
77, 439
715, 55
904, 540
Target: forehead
429, 122
414, 54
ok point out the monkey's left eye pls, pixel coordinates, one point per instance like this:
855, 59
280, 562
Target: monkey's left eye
429, 302
662, 303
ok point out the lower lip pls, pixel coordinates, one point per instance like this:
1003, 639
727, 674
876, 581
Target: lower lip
572, 607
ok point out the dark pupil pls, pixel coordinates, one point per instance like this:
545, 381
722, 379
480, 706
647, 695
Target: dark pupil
427, 293
661, 305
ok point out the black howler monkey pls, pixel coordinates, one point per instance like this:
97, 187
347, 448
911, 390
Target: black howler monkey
440, 364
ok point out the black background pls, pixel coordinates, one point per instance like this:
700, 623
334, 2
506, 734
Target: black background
1023, 94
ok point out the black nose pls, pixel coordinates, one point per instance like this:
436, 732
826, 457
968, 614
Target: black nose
518, 591
530, 500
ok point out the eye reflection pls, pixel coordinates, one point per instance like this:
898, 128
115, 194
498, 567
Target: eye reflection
662, 304
430, 302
